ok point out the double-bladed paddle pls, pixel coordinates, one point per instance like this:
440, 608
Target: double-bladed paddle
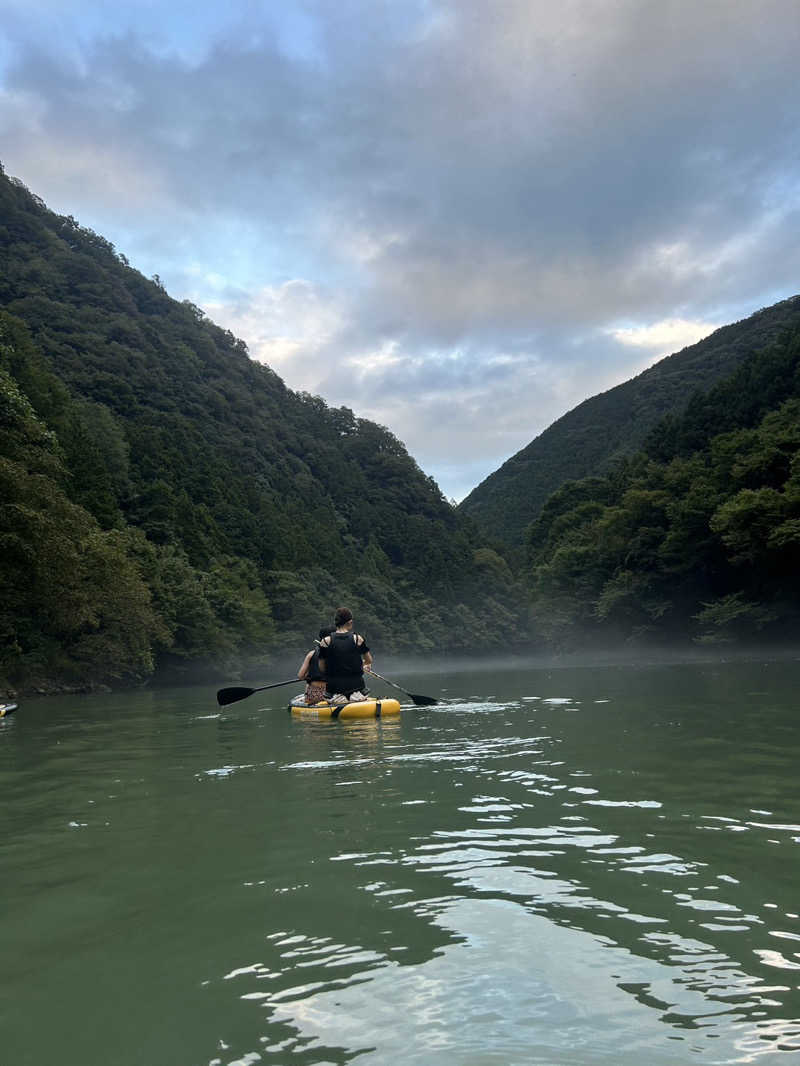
233, 695
420, 701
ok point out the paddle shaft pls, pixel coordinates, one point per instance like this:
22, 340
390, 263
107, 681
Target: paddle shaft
233, 695
423, 701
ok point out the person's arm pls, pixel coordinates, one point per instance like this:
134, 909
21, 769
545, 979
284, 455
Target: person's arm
323, 654
366, 654
303, 671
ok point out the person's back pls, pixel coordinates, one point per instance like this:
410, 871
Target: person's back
343, 656
312, 673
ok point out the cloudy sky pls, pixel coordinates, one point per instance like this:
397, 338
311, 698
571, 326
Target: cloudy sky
458, 217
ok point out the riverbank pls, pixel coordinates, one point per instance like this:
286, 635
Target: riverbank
284, 666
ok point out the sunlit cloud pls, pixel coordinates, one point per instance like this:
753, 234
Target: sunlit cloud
288, 326
662, 338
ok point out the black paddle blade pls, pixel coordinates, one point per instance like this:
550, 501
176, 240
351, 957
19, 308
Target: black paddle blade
422, 701
231, 695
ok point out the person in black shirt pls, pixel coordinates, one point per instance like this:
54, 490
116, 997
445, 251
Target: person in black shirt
343, 657
311, 674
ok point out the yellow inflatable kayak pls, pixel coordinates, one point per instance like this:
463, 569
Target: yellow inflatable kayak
364, 709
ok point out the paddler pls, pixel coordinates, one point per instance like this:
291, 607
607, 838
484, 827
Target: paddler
311, 674
343, 658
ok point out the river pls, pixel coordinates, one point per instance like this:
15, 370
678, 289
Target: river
575, 865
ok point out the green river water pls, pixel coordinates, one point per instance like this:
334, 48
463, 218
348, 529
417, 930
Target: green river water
573, 865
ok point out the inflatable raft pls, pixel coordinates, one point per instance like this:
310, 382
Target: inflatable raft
7, 708
364, 709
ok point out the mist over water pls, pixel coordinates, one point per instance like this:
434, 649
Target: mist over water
555, 864
625, 656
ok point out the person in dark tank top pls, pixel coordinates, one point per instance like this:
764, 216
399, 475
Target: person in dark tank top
343, 657
310, 671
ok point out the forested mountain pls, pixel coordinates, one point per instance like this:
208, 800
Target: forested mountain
698, 534
592, 437
168, 503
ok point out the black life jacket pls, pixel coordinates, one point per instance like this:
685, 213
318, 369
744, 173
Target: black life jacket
343, 656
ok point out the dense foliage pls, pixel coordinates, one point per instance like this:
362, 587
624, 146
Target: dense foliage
593, 437
168, 503
698, 533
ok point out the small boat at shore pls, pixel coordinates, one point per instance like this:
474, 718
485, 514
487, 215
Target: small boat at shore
7, 708
362, 709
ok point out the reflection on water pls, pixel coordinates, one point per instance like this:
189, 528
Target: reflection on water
540, 913
586, 867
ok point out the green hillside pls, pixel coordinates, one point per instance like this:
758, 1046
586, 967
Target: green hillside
592, 437
696, 535
169, 504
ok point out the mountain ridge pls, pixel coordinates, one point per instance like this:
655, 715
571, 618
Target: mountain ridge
240, 513
614, 424
695, 537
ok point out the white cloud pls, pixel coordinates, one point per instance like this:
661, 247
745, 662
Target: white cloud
288, 326
664, 337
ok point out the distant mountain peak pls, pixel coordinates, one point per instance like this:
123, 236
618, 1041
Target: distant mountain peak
588, 439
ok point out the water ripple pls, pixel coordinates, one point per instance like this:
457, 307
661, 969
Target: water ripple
600, 872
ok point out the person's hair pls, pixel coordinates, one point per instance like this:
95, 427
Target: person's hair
343, 616
326, 631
